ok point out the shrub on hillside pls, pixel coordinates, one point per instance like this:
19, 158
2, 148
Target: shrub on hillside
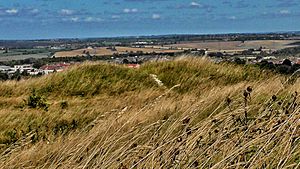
36, 101
64, 104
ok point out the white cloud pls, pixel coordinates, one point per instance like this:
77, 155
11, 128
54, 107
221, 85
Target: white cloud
195, 4
115, 17
92, 19
156, 16
89, 19
134, 10
284, 12
232, 17
11, 11
86, 19
127, 10
74, 19
66, 12
34, 11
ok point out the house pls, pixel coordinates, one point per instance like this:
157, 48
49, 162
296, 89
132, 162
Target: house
59, 67
5, 69
56, 47
47, 69
22, 68
36, 72
133, 65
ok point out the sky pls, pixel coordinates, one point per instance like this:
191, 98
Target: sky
42, 19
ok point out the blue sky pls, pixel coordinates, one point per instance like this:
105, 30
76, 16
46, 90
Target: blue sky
36, 19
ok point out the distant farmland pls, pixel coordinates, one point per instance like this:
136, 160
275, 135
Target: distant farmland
237, 45
21, 54
22, 57
103, 51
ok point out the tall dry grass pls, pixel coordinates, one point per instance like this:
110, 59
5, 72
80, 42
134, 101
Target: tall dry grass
205, 115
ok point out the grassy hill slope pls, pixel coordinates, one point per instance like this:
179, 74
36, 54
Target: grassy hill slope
188, 113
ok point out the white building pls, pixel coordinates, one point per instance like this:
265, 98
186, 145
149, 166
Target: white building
5, 69
22, 68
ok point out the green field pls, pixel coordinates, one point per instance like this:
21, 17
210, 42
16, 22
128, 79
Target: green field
21, 54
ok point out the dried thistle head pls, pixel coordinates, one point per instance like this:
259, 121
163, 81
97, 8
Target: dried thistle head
274, 98
249, 89
186, 120
228, 101
247, 92
196, 164
188, 131
214, 121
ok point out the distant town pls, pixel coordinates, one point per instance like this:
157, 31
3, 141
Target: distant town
23, 59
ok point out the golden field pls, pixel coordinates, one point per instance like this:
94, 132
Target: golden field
103, 51
237, 45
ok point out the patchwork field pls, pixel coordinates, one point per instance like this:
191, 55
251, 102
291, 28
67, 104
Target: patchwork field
23, 53
103, 51
237, 45
22, 57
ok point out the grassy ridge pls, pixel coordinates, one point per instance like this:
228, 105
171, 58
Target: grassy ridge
93, 79
109, 116
88, 79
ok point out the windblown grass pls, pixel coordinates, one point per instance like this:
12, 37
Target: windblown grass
108, 116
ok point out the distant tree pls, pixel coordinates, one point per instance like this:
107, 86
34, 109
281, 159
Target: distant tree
287, 62
248, 52
3, 76
25, 73
239, 61
19, 78
28, 61
38, 64
125, 61
258, 58
201, 52
140, 52
216, 54
17, 75
264, 64
284, 69
263, 53
39, 74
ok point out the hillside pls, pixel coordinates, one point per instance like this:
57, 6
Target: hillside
188, 113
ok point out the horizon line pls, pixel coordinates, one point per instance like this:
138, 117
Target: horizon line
150, 35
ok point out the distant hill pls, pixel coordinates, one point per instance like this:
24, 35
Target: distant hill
188, 113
